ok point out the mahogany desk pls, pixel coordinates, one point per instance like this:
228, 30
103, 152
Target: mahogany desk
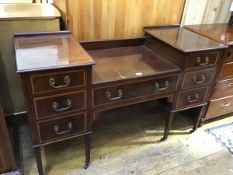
221, 101
67, 84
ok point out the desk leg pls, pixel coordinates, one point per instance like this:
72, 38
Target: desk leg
168, 126
87, 140
199, 117
37, 152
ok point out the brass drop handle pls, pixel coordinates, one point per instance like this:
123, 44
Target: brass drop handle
204, 62
158, 86
56, 108
52, 82
200, 80
119, 95
226, 105
69, 127
191, 100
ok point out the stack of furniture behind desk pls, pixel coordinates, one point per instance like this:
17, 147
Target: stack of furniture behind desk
221, 102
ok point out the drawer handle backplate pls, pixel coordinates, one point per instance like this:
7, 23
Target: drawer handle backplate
204, 62
52, 82
201, 80
69, 127
119, 95
194, 99
159, 87
55, 105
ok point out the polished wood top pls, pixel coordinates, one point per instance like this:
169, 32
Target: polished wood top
27, 11
45, 51
184, 40
127, 63
222, 33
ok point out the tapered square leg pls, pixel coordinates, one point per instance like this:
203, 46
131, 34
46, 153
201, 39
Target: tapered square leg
199, 117
168, 126
37, 152
87, 141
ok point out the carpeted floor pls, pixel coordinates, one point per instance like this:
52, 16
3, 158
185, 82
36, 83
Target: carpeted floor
223, 134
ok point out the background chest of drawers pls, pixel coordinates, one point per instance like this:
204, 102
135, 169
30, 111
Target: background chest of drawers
197, 56
221, 101
57, 87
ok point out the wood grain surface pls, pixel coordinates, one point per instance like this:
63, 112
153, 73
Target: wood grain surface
108, 19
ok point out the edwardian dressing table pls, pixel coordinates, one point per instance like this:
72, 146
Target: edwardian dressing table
67, 84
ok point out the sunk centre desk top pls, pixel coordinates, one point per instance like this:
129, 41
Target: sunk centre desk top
124, 63
28, 11
183, 40
35, 52
222, 33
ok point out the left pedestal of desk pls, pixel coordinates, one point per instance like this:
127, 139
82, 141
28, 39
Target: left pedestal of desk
56, 78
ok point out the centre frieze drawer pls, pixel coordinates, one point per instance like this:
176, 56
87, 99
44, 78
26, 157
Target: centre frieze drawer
191, 97
59, 104
61, 128
117, 93
198, 78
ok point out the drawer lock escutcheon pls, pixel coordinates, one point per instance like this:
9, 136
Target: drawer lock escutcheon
193, 99
69, 127
203, 62
119, 95
56, 108
52, 82
159, 87
201, 80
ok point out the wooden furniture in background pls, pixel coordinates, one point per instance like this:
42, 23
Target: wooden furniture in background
221, 102
16, 18
7, 158
114, 19
197, 56
56, 76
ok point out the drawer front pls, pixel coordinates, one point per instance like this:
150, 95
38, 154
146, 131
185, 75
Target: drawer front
228, 55
61, 128
198, 78
193, 97
118, 93
56, 81
226, 70
220, 107
59, 104
223, 89
201, 60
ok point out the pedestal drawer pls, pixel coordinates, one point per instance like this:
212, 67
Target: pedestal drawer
57, 80
60, 128
198, 78
59, 104
223, 88
122, 92
201, 60
191, 97
220, 107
